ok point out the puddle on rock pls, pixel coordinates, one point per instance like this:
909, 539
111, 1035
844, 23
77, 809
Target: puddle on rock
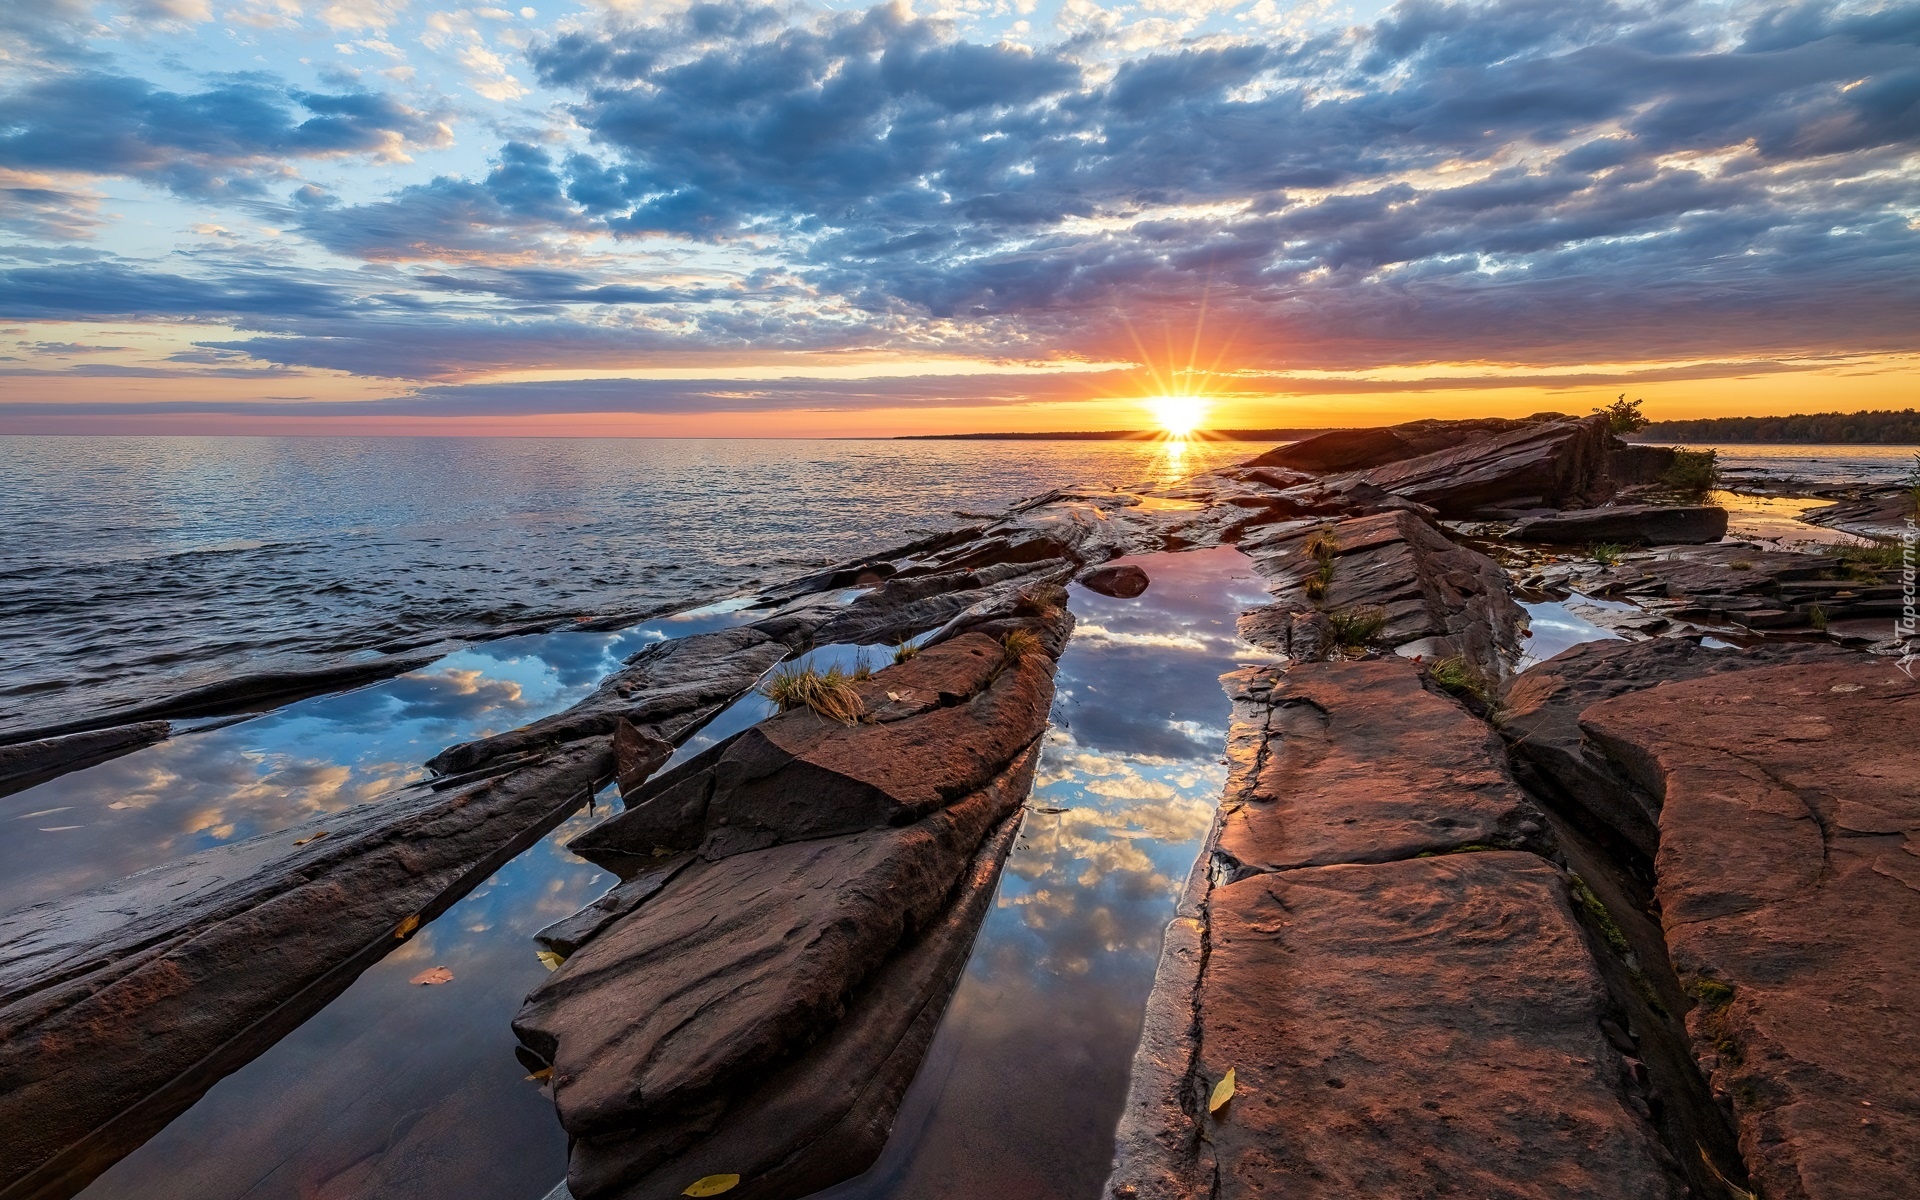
231, 782
1024, 1082
1776, 520
1557, 627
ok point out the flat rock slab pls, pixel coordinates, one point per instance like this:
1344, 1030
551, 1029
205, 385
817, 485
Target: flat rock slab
1789, 880
23, 764
1627, 524
1356, 762
121, 1007
1418, 1028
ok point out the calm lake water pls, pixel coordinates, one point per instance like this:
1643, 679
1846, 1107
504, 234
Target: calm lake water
134, 567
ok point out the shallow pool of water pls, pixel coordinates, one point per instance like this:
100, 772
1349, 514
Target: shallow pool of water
407, 1088
1556, 627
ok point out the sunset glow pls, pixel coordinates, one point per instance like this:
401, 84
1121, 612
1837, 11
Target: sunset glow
595, 219
1178, 416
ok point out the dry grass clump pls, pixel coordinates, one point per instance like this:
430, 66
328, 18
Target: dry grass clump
1462, 678
1018, 644
905, 651
829, 693
1355, 627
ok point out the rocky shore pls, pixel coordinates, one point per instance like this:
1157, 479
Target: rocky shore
1634, 920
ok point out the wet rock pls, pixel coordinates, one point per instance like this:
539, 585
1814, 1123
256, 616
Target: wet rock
1356, 762
1123, 582
245, 693
676, 1012
119, 1008
1422, 583
825, 1115
666, 691
905, 607
24, 764
568, 934
1635, 465
637, 754
1627, 524
1881, 516
1559, 464
1394, 1025
1788, 876
938, 725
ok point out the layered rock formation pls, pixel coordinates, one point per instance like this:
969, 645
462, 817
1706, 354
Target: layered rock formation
1432, 596
760, 1009
1415, 1005
1627, 524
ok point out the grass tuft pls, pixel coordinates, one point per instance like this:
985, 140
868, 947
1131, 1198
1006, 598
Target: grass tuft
1817, 616
1868, 558
1598, 914
1462, 678
905, 651
1355, 627
1605, 553
830, 693
1018, 644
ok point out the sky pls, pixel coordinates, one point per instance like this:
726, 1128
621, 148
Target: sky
746, 219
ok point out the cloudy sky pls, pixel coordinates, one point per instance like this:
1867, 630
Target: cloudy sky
737, 218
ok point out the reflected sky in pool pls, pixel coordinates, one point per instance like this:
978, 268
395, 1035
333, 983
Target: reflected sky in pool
396, 1089
1556, 627
1024, 1082
319, 755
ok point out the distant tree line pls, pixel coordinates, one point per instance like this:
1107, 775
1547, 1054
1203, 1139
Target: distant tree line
1875, 428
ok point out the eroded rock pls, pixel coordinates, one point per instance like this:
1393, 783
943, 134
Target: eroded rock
24, 764
1396, 564
1788, 875
1545, 464
1399, 1024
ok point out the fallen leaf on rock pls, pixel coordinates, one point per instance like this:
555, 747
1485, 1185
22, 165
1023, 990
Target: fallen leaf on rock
712, 1185
316, 837
1222, 1092
433, 975
542, 1074
549, 959
407, 926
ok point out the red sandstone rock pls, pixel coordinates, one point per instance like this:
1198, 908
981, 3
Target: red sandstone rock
1552, 464
1414, 1028
1356, 762
1789, 881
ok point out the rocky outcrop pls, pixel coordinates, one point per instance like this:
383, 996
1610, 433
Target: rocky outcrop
119, 1008
1552, 464
1433, 597
1884, 515
796, 905
1788, 881
24, 764
1415, 1006
1627, 524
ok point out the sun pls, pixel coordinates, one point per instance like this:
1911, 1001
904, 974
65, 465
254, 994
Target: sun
1179, 416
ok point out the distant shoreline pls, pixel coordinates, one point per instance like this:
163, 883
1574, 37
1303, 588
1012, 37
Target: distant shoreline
1113, 435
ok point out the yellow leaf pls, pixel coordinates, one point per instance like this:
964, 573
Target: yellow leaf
433, 975
314, 838
542, 1073
1222, 1092
407, 926
549, 959
712, 1185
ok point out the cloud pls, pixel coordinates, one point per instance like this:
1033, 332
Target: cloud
205, 144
